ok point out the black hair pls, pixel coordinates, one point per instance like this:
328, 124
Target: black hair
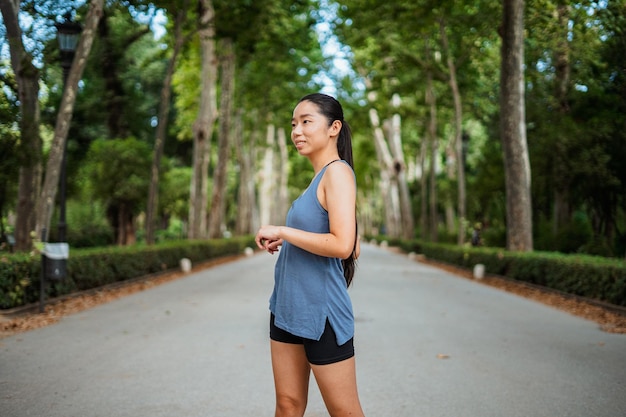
332, 110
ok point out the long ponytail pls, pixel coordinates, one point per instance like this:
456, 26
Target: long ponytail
344, 146
332, 109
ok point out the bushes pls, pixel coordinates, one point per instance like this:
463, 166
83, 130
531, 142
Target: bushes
18, 274
92, 268
603, 279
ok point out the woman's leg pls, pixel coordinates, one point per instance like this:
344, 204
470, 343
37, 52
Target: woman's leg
291, 378
337, 383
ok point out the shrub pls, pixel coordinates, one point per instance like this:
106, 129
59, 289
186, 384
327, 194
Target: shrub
595, 277
91, 268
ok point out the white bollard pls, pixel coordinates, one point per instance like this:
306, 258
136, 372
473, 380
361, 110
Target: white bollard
185, 265
248, 251
479, 271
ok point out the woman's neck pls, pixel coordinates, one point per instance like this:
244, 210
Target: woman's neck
321, 161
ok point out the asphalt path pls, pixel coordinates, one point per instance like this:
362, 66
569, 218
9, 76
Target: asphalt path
428, 343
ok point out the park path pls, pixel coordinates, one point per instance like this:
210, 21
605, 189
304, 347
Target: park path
429, 344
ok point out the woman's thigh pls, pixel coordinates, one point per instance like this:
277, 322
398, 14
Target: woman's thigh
337, 384
291, 372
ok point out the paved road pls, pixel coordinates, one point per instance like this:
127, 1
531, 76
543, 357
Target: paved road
428, 345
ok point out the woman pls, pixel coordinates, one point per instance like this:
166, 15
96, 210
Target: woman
311, 322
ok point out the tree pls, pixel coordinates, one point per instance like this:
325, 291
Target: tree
118, 32
458, 131
9, 169
513, 129
64, 118
116, 170
227, 93
433, 144
203, 126
163, 117
572, 106
247, 209
388, 179
392, 66
29, 149
277, 55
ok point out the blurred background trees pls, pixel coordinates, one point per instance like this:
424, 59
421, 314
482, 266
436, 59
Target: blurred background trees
420, 83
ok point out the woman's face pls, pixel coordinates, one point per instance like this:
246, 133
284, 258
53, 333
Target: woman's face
310, 130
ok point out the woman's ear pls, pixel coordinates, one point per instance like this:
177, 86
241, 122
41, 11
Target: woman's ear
335, 128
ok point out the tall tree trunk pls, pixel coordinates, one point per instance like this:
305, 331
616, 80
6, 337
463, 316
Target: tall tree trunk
246, 200
388, 184
282, 195
513, 129
161, 131
218, 200
562, 56
125, 225
458, 133
399, 166
450, 167
562, 208
423, 159
29, 146
267, 184
64, 116
431, 101
203, 126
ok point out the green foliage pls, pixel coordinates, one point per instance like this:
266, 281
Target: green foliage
576, 135
9, 144
572, 238
277, 56
96, 267
86, 223
117, 170
588, 276
174, 192
18, 273
575, 150
284, 59
398, 63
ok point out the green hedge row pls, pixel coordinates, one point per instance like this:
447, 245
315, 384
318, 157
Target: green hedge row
603, 279
95, 267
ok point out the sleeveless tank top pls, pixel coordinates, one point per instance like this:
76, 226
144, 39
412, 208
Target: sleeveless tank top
308, 288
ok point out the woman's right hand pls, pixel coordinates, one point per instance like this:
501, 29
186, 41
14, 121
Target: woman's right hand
267, 238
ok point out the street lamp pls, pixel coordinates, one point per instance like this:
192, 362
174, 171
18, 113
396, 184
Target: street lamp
68, 33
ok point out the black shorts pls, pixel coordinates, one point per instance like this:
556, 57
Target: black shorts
318, 352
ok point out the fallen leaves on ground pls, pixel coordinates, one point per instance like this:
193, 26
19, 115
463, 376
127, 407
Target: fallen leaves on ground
55, 310
608, 321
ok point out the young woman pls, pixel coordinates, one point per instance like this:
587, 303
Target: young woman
311, 321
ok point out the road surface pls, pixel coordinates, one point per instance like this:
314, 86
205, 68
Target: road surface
428, 343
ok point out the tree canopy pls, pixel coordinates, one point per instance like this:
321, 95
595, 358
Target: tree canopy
442, 60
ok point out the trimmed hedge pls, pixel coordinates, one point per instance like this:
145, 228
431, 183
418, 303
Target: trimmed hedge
595, 277
95, 267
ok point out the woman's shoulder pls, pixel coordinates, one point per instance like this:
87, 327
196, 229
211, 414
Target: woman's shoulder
340, 166
339, 171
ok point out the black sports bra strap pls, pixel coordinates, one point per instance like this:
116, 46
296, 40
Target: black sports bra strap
331, 162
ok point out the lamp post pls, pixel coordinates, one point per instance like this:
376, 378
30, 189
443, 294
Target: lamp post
68, 33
